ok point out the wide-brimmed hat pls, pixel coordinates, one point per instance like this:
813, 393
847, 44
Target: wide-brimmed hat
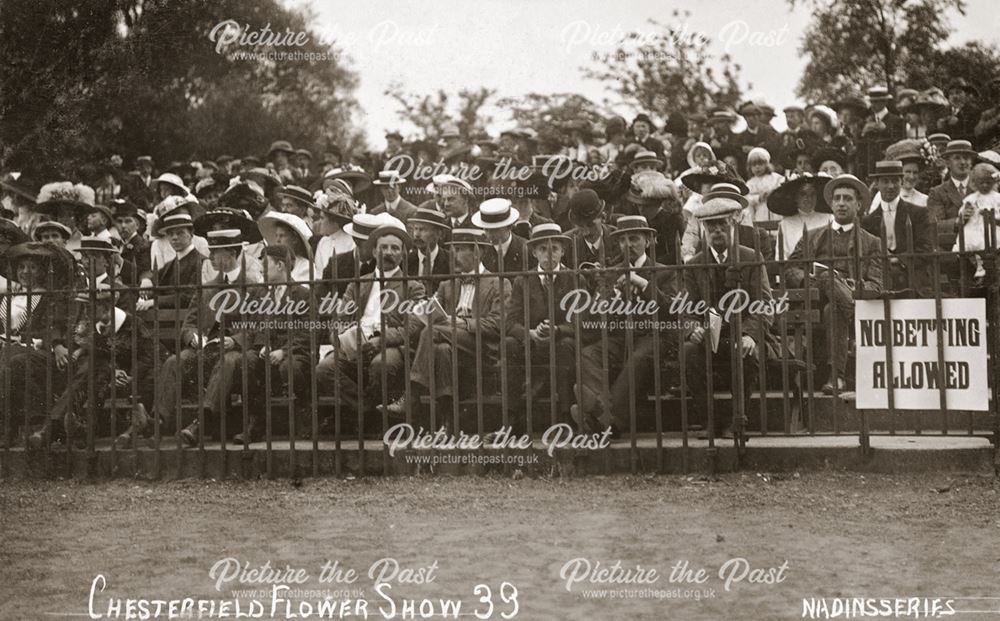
906, 150
932, 98
963, 85
905, 98
265, 178
340, 206
646, 157
468, 236
650, 187
64, 193
495, 213
11, 234
431, 217
632, 224
103, 209
356, 178
297, 193
887, 168
228, 218
56, 258
850, 181
173, 181
584, 206
722, 115
548, 231
782, 201
719, 172
854, 102
280, 146
389, 177
175, 204
959, 147
825, 113
53, 225
362, 225
225, 238
269, 222
244, 194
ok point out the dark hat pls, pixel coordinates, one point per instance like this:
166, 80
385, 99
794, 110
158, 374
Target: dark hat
584, 206
959, 147
642, 116
11, 234
280, 145
250, 161
104, 209
933, 98
60, 260
281, 253
964, 85
224, 238
244, 194
265, 178
394, 134
546, 231
719, 172
676, 124
887, 168
174, 219
829, 153
228, 218
305, 152
467, 236
20, 186
536, 186
432, 217
297, 193
632, 224
782, 200
853, 101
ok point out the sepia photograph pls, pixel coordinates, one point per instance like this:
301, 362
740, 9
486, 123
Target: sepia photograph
506, 309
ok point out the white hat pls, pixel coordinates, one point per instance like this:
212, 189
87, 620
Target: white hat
442, 180
268, 225
362, 225
173, 180
494, 213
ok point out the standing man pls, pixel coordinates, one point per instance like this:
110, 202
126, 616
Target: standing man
944, 202
393, 203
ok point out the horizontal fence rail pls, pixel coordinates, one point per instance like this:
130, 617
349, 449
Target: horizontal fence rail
301, 367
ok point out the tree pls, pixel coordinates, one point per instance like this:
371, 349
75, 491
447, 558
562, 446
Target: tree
553, 116
973, 62
852, 45
172, 79
671, 71
431, 113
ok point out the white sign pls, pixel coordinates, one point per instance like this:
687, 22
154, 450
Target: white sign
912, 333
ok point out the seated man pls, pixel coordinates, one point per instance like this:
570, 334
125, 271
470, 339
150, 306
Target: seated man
723, 266
35, 335
507, 251
221, 337
636, 279
590, 235
376, 342
184, 269
428, 258
284, 349
536, 319
112, 347
831, 255
468, 305
135, 248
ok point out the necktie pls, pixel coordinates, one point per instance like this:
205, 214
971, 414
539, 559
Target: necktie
890, 228
425, 266
225, 279
961, 189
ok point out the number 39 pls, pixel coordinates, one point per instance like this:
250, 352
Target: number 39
508, 595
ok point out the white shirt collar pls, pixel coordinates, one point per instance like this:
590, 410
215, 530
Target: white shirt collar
958, 183
378, 274
719, 258
479, 270
432, 256
234, 274
641, 261
390, 207
842, 227
892, 205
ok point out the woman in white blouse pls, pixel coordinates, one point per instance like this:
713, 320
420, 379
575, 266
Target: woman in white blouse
801, 202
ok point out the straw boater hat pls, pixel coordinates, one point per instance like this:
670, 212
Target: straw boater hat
548, 231
175, 204
362, 225
850, 181
782, 200
270, 221
959, 147
225, 238
468, 236
433, 217
725, 190
441, 181
389, 177
97, 244
391, 229
887, 168
228, 219
646, 157
495, 213
632, 224
173, 220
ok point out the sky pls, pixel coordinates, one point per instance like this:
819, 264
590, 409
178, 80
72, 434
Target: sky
522, 46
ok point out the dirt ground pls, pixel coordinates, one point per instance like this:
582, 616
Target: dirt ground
841, 535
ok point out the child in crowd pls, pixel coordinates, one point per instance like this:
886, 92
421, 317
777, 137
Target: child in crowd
983, 179
763, 180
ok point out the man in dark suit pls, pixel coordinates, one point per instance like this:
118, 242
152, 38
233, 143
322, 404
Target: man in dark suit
591, 236
944, 201
185, 269
881, 127
471, 303
838, 250
642, 129
536, 320
219, 335
285, 349
905, 228
507, 252
393, 203
135, 248
724, 266
454, 197
758, 133
658, 202
379, 334
646, 289
345, 266
428, 258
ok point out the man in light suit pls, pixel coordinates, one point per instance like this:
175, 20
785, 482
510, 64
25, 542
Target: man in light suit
842, 247
388, 183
